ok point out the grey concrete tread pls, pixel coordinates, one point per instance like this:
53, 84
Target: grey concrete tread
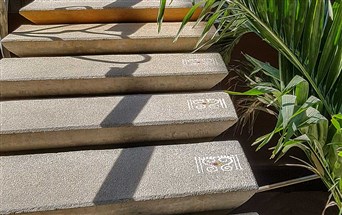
46, 76
145, 180
47, 40
85, 11
56, 123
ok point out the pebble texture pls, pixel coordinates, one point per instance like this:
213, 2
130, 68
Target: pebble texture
57, 123
144, 180
78, 39
99, 74
86, 11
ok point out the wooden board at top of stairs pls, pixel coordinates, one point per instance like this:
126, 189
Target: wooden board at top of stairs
95, 11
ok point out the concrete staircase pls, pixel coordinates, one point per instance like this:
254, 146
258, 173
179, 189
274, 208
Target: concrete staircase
78, 136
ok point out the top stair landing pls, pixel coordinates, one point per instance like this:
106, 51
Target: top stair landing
98, 11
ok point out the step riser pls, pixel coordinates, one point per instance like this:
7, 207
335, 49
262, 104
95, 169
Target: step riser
144, 180
105, 15
121, 135
32, 124
182, 205
86, 75
59, 40
110, 86
124, 46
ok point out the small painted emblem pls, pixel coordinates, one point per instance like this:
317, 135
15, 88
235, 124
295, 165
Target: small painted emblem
223, 163
200, 62
200, 104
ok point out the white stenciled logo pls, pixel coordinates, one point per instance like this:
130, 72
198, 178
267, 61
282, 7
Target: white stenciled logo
201, 104
223, 163
200, 62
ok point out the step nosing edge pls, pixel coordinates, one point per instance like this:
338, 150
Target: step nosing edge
158, 75
82, 39
139, 199
113, 126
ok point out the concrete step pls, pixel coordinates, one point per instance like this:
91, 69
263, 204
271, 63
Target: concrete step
59, 123
98, 11
145, 180
79, 39
30, 77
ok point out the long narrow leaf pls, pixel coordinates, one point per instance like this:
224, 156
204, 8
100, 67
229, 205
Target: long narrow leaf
161, 12
187, 17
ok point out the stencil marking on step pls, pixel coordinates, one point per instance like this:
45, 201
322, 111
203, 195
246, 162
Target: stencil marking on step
200, 62
200, 104
222, 163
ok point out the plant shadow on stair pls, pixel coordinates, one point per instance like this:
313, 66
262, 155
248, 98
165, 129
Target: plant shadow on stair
119, 3
128, 66
64, 35
118, 29
128, 169
115, 4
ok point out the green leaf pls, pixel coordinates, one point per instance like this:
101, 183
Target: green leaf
310, 102
301, 15
258, 90
207, 8
161, 12
313, 31
208, 26
338, 116
335, 155
302, 92
314, 116
187, 17
318, 165
315, 126
331, 57
291, 144
287, 108
294, 82
336, 123
266, 140
267, 68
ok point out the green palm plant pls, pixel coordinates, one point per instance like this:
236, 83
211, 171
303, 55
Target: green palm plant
306, 89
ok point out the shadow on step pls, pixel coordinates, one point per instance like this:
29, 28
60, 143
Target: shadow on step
125, 176
115, 4
126, 173
121, 3
74, 8
128, 67
122, 30
126, 110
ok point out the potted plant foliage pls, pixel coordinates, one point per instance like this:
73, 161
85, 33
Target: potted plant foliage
306, 90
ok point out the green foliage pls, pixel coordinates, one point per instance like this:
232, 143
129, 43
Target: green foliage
306, 89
